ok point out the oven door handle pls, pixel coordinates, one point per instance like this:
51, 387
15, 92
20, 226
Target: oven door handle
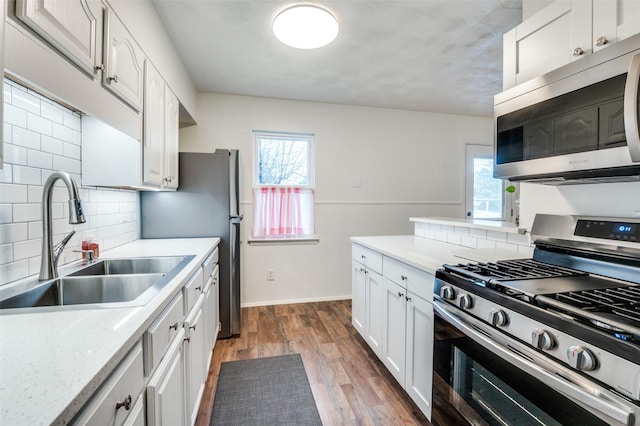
631, 125
604, 404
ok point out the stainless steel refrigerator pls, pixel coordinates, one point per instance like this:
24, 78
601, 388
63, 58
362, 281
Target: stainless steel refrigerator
206, 204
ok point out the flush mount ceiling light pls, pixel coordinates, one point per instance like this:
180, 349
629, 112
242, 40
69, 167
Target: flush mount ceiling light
305, 27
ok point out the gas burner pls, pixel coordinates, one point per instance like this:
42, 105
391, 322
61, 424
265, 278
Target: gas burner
519, 269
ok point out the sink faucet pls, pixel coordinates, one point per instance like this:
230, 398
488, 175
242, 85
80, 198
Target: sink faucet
50, 254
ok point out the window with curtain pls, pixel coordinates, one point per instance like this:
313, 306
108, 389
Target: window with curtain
283, 192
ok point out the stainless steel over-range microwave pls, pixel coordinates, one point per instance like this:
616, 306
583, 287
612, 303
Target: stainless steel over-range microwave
576, 124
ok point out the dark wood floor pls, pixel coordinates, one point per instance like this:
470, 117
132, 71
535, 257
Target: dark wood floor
350, 385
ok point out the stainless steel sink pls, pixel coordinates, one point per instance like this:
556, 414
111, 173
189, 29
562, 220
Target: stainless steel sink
84, 290
141, 265
108, 283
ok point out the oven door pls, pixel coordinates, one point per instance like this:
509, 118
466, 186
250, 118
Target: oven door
491, 379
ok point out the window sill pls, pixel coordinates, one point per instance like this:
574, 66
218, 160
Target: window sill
266, 241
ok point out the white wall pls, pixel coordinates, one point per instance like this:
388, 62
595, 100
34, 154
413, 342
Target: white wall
410, 164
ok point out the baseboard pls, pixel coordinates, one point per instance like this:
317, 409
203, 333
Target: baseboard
290, 301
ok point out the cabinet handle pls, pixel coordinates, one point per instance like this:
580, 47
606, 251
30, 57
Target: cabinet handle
578, 51
187, 339
126, 403
100, 68
601, 41
199, 288
403, 277
408, 299
400, 294
193, 327
174, 326
114, 79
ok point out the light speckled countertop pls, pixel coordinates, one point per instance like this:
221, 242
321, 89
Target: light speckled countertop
429, 255
51, 362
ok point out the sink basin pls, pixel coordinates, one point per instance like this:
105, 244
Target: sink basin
83, 290
141, 265
107, 283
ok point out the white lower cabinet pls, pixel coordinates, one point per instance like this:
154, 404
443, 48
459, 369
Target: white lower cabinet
195, 358
394, 314
138, 415
166, 389
112, 403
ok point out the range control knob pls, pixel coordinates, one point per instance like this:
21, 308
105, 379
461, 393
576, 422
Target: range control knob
465, 301
542, 339
581, 358
498, 317
447, 293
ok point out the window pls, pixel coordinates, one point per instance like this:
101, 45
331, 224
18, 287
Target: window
484, 194
283, 187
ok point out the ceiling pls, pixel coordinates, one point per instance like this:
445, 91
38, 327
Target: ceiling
423, 55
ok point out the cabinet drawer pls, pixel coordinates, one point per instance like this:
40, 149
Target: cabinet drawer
209, 264
369, 258
192, 290
162, 332
112, 403
413, 279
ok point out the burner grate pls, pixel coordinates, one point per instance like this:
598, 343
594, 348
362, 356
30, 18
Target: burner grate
621, 301
504, 270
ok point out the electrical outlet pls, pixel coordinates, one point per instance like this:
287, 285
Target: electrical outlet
271, 275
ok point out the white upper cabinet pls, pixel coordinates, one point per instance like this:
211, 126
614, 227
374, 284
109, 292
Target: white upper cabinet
123, 62
154, 129
161, 117
614, 20
70, 26
565, 31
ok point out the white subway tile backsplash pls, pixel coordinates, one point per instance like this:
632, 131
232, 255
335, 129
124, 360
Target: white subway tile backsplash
453, 239
26, 175
52, 145
522, 239
468, 241
486, 244
25, 101
13, 232
26, 212
461, 230
37, 124
41, 137
39, 159
25, 138
497, 236
10, 194
478, 233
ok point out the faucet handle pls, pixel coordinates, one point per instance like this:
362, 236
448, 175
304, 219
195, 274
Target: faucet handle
86, 254
60, 246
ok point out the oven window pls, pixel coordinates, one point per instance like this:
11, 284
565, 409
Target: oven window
484, 389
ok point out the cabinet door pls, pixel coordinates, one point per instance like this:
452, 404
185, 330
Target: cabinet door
70, 26
153, 131
165, 391
394, 307
373, 320
547, 40
123, 62
614, 20
196, 368
171, 126
358, 297
419, 374
137, 416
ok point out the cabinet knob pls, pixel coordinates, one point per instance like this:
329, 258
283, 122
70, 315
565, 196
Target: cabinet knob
601, 41
114, 79
400, 294
363, 256
578, 51
407, 298
403, 277
126, 403
199, 288
187, 339
100, 67
193, 327
174, 326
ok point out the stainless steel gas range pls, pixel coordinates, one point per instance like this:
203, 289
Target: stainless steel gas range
550, 340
